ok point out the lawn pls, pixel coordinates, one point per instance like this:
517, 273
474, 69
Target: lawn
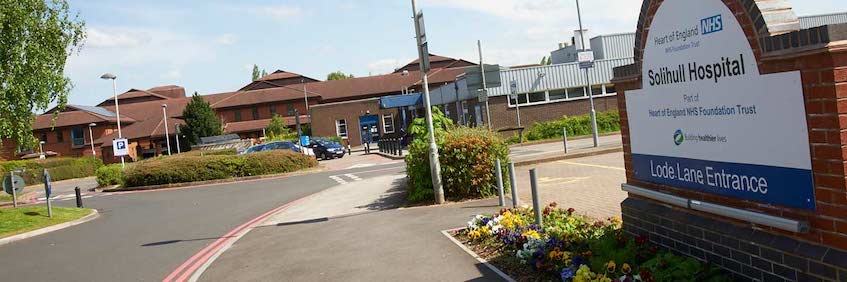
15, 221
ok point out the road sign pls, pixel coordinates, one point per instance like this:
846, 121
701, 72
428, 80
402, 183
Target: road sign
474, 78
121, 147
585, 59
48, 187
482, 96
16, 181
513, 86
304, 140
423, 46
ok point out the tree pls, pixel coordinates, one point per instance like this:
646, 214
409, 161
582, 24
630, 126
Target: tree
36, 38
256, 73
264, 73
278, 130
543, 61
200, 120
338, 75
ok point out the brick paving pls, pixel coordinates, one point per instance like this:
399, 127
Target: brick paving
591, 185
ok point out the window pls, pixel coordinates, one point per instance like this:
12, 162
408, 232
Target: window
290, 109
576, 92
521, 99
341, 128
610, 89
465, 112
273, 110
597, 90
388, 123
560, 94
77, 137
43, 137
537, 97
60, 138
255, 113
237, 115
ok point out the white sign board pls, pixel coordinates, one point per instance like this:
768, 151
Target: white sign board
585, 59
706, 119
120, 147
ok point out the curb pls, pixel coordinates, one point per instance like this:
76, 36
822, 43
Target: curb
91, 216
570, 156
215, 181
548, 141
390, 156
474, 255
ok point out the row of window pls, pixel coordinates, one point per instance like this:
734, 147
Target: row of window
558, 95
77, 136
289, 108
387, 125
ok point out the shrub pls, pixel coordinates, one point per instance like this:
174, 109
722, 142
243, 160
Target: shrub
577, 126
59, 168
467, 158
179, 169
109, 175
209, 153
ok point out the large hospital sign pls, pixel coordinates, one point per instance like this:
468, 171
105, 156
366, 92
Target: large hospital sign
707, 120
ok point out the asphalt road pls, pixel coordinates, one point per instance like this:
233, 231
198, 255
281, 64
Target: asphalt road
145, 236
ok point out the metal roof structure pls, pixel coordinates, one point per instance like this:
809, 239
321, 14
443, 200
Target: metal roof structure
822, 20
559, 76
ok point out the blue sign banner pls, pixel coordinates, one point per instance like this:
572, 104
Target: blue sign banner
304, 140
778, 185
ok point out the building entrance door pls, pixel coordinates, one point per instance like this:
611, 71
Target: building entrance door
369, 126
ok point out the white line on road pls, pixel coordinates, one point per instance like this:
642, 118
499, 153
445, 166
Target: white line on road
338, 179
592, 165
354, 177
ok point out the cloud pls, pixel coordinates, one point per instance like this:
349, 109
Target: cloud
383, 66
172, 74
280, 12
98, 38
226, 39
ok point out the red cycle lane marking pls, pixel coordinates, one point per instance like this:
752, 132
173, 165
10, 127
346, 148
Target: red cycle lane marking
212, 248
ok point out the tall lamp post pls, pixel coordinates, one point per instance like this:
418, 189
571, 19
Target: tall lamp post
117, 109
435, 167
165, 121
91, 136
588, 81
41, 149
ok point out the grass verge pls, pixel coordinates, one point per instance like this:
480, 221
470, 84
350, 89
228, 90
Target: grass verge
20, 220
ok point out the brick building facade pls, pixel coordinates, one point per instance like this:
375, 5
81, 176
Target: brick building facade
747, 250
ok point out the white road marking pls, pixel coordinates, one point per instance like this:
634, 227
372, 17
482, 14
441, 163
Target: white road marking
338, 179
354, 177
361, 166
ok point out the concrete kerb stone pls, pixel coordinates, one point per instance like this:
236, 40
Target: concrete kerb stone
91, 216
474, 255
216, 181
559, 140
390, 156
583, 154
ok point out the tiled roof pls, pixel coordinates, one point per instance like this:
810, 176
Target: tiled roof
280, 74
77, 115
257, 125
148, 116
242, 98
372, 86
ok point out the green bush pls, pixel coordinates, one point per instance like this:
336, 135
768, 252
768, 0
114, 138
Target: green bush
109, 175
577, 126
179, 169
223, 152
467, 158
59, 168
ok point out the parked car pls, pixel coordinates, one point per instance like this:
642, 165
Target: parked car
281, 145
326, 149
253, 149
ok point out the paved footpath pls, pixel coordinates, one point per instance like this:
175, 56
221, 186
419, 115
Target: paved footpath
352, 241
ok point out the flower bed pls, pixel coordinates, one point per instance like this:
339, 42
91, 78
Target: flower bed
571, 247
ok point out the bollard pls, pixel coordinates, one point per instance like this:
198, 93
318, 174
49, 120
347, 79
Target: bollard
78, 197
514, 185
536, 203
349, 150
499, 173
401, 147
565, 138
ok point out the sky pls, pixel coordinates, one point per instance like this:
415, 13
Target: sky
211, 46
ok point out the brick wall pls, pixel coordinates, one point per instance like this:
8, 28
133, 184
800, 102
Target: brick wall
504, 116
325, 115
789, 256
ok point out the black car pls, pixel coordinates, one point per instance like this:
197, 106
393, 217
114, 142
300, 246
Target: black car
326, 149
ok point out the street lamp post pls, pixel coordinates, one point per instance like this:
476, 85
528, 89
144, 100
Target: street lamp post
91, 136
435, 167
165, 121
117, 109
588, 81
41, 150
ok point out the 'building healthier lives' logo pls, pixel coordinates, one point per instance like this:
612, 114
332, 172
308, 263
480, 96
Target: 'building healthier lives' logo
678, 137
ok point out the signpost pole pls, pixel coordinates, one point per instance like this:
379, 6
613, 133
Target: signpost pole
423, 53
484, 86
588, 81
14, 193
48, 190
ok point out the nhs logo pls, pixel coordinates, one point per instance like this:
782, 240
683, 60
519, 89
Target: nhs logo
711, 24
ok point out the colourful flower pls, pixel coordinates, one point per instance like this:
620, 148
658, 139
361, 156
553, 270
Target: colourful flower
610, 266
626, 269
531, 234
567, 273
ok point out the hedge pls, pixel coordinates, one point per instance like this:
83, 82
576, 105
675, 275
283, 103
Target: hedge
179, 169
576, 125
109, 175
222, 152
467, 157
59, 168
